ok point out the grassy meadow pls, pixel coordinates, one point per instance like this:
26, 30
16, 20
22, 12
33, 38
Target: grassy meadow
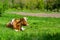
40, 28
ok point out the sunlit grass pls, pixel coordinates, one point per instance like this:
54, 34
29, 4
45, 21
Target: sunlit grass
39, 28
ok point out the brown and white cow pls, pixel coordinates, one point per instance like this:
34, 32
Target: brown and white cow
17, 24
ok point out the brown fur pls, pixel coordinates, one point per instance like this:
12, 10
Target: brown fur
17, 24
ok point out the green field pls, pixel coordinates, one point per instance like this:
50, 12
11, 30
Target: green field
30, 11
39, 28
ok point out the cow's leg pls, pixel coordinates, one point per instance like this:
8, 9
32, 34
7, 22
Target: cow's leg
20, 27
15, 27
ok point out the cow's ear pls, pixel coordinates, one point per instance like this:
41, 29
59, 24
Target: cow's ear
25, 18
13, 19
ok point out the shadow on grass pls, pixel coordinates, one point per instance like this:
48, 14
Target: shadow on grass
52, 36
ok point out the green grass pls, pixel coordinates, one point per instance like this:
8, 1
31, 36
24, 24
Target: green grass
39, 28
31, 11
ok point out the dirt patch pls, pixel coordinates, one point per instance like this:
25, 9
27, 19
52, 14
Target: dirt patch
56, 15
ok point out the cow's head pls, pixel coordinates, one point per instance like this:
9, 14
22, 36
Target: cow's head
24, 21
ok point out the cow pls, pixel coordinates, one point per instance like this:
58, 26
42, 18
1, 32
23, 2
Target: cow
17, 24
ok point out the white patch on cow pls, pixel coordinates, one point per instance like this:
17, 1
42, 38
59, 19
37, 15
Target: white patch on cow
23, 28
25, 19
16, 30
12, 21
